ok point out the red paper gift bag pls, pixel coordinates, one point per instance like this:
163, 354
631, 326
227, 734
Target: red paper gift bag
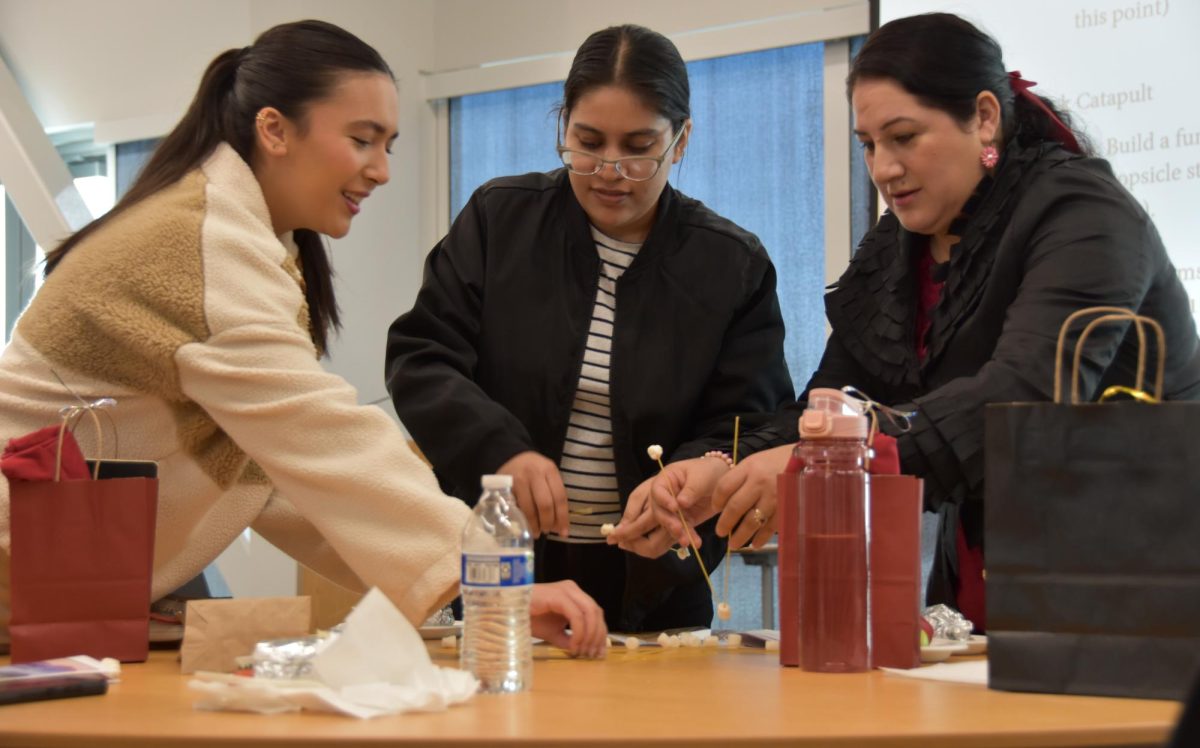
895, 588
80, 567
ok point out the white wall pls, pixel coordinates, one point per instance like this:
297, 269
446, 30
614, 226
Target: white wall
470, 32
81, 62
527, 42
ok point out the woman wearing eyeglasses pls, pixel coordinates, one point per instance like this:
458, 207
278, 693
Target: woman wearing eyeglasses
571, 319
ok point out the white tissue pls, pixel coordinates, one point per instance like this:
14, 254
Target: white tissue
377, 666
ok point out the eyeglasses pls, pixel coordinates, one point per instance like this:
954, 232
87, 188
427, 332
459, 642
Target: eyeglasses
633, 168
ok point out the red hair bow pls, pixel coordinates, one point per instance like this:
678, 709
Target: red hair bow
1062, 133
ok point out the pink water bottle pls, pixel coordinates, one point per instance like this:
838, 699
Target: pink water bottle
833, 508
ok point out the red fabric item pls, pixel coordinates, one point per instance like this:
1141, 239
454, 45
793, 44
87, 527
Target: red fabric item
928, 293
971, 592
886, 460
1063, 134
31, 457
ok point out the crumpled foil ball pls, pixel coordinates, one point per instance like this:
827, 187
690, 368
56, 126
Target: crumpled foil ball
948, 623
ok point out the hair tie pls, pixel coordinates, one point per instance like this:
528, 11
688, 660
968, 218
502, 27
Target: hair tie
1064, 135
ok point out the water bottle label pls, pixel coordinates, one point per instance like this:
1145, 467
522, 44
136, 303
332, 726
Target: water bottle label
514, 570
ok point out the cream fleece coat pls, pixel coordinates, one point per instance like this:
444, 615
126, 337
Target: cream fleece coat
189, 311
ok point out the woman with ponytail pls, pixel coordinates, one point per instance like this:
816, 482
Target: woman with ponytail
1000, 224
202, 303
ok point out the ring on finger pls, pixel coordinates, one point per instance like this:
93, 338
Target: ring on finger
759, 518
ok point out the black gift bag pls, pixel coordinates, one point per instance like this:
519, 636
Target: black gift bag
1092, 537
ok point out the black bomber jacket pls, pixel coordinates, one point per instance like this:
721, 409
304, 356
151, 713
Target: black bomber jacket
486, 363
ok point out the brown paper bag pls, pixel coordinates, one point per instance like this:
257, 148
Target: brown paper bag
217, 632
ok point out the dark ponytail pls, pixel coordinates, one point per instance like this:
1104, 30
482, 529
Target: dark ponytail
644, 61
288, 67
946, 63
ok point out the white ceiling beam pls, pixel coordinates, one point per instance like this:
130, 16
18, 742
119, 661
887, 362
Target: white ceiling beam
34, 175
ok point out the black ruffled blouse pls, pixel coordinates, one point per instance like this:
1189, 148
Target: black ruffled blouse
1049, 233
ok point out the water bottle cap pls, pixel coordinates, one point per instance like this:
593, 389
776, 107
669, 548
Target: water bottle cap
832, 414
496, 482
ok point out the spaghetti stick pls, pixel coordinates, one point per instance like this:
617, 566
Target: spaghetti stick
737, 425
696, 553
655, 453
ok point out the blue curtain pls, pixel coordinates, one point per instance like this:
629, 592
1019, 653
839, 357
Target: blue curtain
757, 158
501, 133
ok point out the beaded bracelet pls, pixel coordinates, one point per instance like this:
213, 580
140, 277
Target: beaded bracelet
722, 455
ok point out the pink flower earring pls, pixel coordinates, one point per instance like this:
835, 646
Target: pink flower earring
989, 156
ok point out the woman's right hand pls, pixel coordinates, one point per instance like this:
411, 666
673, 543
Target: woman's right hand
540, 493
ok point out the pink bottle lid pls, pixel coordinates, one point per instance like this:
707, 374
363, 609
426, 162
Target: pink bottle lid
832, 414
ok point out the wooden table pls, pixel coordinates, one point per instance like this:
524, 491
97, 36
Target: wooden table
682, 697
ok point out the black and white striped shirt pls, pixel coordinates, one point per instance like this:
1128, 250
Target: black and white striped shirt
587, 465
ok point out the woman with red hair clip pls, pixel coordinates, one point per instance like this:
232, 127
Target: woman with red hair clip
1001, 222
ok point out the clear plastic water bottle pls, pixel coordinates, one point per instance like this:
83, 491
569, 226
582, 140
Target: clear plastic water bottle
497, 580
833, 534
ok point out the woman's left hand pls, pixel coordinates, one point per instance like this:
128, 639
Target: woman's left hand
557, 606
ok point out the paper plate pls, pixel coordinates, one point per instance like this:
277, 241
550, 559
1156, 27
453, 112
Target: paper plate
440, 632
941, 650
